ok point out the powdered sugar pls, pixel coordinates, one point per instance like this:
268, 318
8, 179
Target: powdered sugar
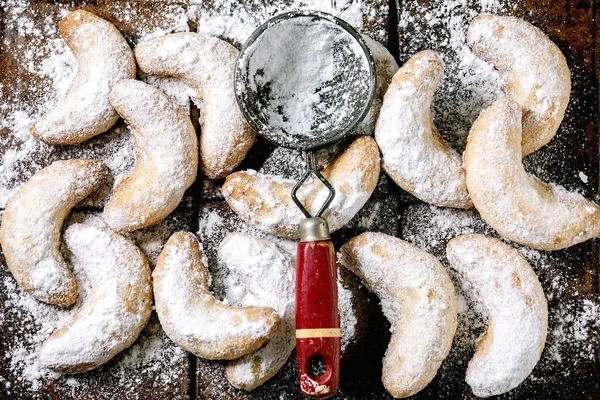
235, 21
297, 80
517, 309
110, 318
469, 84
249, 261
416, 296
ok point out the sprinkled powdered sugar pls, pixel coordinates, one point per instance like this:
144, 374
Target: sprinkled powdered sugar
49, 68
517, 310
114, 310
469, 84
430, 227
297, 81
235, 21
248, 261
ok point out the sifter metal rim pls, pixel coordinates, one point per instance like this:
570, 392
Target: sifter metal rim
317, 14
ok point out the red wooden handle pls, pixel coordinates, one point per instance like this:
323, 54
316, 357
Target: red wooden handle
317, 318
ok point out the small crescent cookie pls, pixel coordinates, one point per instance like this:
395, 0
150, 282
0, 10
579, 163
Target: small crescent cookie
193, 318
536, 72
249, 261
166, 157
265, 201
207, 65
115, 310
418, 299
414, 155
518, 205
385, 68
32, 224
103, 58
518, 312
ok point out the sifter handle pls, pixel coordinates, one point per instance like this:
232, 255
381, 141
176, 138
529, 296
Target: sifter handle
317, 318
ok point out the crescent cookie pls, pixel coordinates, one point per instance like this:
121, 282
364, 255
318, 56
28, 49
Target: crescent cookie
207, 65
114, 311
385, 68
193, 318
32, 224
414, 155
103, 58
249, 260
166, 157
518, 312
536, 72
265, 201
518, 205
418, 299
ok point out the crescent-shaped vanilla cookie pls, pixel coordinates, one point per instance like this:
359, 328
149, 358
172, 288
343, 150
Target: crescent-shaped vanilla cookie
517, 307
192, 317
385, 68
265, 201
536, 72
32, 223
413, 154
103, 58
249, 260
114, 311
418, 299
166, 158
518, 205
207, 65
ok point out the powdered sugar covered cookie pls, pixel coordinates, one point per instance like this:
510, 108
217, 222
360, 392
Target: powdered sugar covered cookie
265, 201
260, 274
193, 318
417, 297
414, 155
207, 65
536, 72
166, 157
518, 312
113, 312
32, 224
103, 58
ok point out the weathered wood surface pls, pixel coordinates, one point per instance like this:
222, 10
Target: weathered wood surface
570, 277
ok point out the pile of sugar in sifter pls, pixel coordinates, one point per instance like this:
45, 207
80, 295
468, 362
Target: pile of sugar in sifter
305, 80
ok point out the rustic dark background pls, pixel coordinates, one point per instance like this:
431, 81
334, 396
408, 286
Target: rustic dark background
570, 24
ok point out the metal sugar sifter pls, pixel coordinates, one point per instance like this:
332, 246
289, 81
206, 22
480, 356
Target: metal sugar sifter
305, 80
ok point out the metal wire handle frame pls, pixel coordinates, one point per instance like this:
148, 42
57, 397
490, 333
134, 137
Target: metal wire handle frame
312, 167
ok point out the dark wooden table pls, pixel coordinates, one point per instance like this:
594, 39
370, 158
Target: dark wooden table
154, 368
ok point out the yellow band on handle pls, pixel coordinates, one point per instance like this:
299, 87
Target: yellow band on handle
317, 333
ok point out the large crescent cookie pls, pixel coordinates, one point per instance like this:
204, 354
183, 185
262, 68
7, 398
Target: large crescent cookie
265, 201
536, 72
518, 205
114, 311
418, 299
518, 312
166, 157
414, 155
32, 223
103, 58
193, 318
207, 65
